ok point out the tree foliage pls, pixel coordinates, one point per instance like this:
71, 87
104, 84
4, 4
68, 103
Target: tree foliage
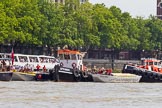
43, 22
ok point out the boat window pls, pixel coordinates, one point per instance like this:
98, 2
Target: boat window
155, 63
8, 56
67, 56
43, 59
23, 59
79, 57
61, 56
150, 63
15, 58
52, 60
73, 56
33, 59
147, 63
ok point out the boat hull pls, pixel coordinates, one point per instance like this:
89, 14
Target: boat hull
6, 76
20, 76
147, 76
41, 76
68, 75
64, 74
116, 78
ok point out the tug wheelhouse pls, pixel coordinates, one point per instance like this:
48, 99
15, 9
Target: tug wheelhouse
70, 59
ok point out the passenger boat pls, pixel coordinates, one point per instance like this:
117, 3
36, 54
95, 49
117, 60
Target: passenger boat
25, 67
150, 69
71, 68
33, 60
5, 73
116, 78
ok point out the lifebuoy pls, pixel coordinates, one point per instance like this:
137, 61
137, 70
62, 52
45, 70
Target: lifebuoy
39, 76
76, 73
151, 75
74, 65
61, 64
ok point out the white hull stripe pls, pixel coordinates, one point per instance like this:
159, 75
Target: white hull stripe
65, 72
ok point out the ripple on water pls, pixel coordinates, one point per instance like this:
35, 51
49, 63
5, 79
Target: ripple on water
79, 95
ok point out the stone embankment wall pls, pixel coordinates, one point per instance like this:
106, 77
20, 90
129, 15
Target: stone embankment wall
98, 63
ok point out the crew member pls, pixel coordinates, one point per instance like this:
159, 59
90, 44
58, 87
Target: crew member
38, 67
44, 68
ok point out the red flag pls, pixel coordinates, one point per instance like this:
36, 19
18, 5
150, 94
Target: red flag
12, 56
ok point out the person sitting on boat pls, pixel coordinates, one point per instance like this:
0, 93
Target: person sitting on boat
3, 63
101, 70
109, 71
21, 69
13, 68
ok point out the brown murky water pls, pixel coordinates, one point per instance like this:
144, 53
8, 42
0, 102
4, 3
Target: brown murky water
80, 95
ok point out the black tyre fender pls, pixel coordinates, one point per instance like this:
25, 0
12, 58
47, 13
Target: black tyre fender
151, 75
156, 76
145, 74
134, 71
160, 77
137, 72
77, 75
76, 72
140, 72
84, 74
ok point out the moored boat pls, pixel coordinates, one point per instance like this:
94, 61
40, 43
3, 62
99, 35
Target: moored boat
29, 67
116, 78
150, 69
5, 73
71, 68
24, 60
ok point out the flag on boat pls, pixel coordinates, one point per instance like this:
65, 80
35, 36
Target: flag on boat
12, 56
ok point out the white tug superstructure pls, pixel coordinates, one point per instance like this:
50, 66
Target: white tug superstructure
71, 59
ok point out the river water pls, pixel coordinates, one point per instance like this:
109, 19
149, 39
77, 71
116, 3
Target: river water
80, 95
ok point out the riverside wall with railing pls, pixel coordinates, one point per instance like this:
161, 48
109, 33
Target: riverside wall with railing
107, 63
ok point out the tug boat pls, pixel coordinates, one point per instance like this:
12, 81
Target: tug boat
150, 70
71, 68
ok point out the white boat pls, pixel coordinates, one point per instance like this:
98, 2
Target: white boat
33, 60
23, 76
116, 78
